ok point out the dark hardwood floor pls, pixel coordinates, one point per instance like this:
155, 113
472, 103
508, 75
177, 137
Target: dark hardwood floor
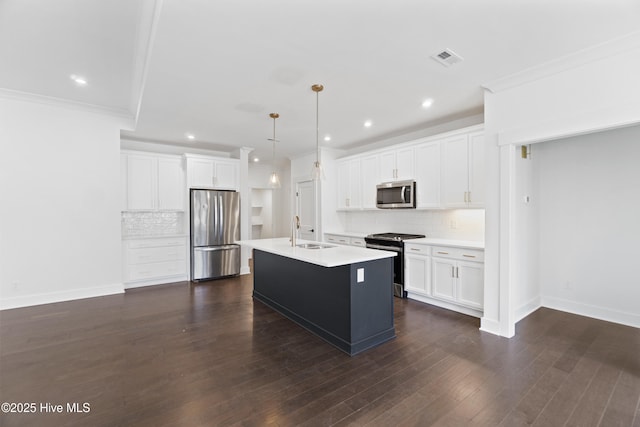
207, 354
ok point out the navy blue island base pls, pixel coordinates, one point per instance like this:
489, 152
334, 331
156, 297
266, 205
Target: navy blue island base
329, 301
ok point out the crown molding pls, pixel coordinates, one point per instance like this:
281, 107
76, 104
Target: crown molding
145, 38
594, 53
116, 113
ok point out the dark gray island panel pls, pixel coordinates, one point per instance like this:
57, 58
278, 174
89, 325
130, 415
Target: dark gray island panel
329, 301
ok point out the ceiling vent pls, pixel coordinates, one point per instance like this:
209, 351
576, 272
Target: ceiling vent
447, 57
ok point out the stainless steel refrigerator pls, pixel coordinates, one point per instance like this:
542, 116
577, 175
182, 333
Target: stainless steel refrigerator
215, 227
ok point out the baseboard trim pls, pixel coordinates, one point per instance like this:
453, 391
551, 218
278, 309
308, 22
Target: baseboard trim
68, 295
443, 304
527, 308
161, 281
601, 313
489, 325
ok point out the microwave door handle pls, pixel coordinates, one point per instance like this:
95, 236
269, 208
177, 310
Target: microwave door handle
404, 188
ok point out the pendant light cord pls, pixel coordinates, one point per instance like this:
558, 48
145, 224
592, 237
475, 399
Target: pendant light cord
317, 127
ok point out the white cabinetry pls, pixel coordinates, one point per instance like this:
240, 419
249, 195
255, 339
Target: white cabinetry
349, 184
449, 277
448, 170
215, 173
456, 278
397, 165
427, 157
463, 171
153, 182
154, 261
341, 239
369, 178
417, 269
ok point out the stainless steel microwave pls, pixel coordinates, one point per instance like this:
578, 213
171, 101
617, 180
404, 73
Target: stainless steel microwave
396, 195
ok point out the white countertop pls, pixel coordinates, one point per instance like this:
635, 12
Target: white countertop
470, 244
334, 256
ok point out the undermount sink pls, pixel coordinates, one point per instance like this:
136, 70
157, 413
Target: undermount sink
314, 246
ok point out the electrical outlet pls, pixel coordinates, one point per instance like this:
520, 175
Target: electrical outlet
360, 274
15, 284
453, 224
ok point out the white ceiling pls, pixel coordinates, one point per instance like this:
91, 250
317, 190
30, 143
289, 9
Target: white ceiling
216, 69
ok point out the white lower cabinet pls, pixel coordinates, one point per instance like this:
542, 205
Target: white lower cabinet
449, 277
417, 269
342, 239
153, 261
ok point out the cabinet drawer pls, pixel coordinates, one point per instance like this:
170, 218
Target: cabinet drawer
357, 241
146, 255
155, 243
458, 253
156, 270
412, 248
334, 238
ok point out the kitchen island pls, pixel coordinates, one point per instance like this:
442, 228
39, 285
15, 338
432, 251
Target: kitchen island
343, 294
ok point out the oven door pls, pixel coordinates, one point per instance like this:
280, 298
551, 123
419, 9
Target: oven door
398, 267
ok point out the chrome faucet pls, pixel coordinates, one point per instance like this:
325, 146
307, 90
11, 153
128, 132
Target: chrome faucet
295, 225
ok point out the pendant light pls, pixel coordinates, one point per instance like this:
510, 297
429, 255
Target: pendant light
316, 171
274, 179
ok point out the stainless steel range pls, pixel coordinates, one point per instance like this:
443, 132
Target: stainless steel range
393, 242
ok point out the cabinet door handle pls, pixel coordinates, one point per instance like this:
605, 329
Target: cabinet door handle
469, 197
458, 272
468, 256
415, 249
443, 253
453, 269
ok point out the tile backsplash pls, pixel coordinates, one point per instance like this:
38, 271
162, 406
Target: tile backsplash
152, 223
459, 224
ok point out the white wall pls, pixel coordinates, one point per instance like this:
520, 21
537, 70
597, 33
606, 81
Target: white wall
280, 198
589, 215
458, 224
592, 90
59, 204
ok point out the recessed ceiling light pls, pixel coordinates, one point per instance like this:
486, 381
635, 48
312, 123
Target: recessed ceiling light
327, 138
80, 81
256, 160
368, 123
190, 136
427, 103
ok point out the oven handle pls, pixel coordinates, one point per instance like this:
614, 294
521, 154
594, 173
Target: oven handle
384, 248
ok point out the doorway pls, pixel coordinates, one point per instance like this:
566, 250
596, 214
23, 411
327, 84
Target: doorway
306, 209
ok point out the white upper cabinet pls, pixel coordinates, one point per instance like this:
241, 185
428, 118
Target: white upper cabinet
476, 170
448, 170
427, 159
141, 182
170, 184
463, 171
153, 182
209, 172
201, 173
369, 178
397, 165
349, 184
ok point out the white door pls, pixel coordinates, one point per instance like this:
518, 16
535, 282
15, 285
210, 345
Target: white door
306, 209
